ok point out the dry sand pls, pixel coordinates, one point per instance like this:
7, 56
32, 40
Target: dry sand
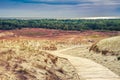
110, 62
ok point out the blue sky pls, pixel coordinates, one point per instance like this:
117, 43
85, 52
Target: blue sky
59, 8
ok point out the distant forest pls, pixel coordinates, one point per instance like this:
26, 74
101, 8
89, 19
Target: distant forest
68, 24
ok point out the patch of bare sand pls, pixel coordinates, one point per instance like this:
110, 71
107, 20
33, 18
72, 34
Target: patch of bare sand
110, 62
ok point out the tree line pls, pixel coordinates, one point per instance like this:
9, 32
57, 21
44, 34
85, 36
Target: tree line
67, 24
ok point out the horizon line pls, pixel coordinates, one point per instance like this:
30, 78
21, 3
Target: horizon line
27, 18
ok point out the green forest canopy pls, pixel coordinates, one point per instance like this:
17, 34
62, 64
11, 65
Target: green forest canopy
65, 24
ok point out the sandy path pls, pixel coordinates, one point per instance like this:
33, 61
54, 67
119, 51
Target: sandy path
86, 68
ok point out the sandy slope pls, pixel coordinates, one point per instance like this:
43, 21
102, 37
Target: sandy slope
23, 60
88, 69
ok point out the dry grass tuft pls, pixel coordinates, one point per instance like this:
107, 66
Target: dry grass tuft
49, 47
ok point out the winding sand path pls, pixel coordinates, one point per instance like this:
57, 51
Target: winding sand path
86, 68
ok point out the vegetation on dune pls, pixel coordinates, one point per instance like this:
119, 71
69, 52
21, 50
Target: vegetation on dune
68, 24
28, 45
109, 46
24, 60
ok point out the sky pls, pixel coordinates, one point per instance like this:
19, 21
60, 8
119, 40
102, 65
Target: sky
59, 8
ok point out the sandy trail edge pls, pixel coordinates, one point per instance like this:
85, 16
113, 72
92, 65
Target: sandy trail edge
87, 68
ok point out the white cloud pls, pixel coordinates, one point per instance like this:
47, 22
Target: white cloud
105, 2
